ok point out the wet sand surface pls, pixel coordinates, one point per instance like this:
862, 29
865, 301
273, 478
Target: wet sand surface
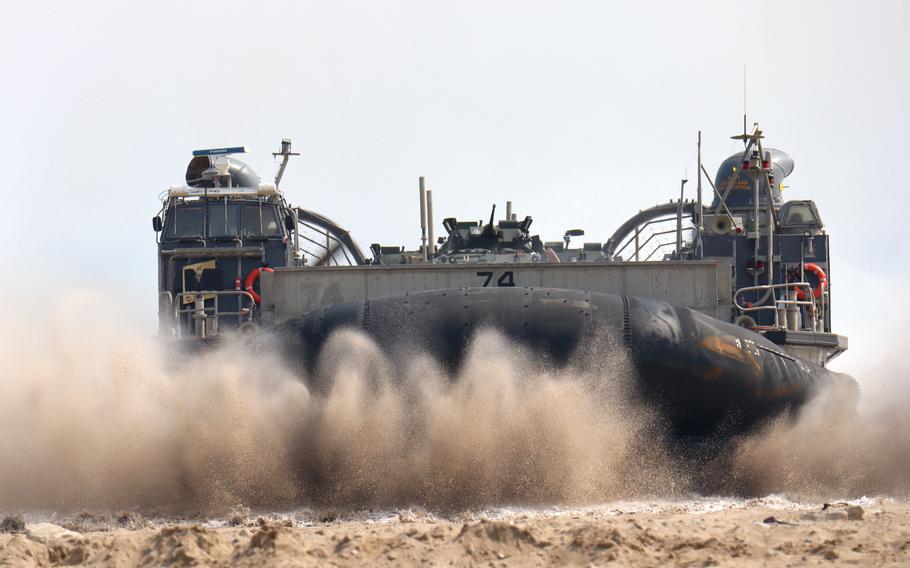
706, 532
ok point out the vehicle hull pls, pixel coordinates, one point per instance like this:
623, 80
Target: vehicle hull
705, 375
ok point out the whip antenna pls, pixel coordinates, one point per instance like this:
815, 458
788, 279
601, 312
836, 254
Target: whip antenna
744, 104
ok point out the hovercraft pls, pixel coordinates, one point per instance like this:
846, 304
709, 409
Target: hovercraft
724, 310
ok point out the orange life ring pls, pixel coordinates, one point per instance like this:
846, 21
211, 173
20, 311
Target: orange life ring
251, 278
822, 282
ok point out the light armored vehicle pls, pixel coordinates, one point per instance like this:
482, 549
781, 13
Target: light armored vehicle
724, 310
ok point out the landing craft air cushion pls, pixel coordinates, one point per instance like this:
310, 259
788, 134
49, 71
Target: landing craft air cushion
724, 311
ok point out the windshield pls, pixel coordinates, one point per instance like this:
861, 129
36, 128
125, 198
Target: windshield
259, 221
187, 222
224, 219
799, 214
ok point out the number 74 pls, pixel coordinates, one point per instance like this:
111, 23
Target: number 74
506, 279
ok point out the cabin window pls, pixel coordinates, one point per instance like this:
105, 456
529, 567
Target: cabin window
187, 222
799, 214
223, 220
258, 221
270, 226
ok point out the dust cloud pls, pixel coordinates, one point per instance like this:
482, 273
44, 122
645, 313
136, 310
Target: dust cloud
96, 415
832, 447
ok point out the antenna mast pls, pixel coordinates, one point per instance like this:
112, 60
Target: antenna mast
744, 104
285, 153
701, 221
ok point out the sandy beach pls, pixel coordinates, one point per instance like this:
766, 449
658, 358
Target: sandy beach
112, 457
707, 532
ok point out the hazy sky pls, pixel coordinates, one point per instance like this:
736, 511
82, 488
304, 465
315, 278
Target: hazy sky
581, 113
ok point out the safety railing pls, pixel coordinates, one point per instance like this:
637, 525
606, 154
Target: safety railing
640, 247
205, 318
166, 320
165, 300
786, 309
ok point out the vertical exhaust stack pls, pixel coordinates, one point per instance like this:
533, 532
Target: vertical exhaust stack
509, 210
701, 221
423, 219
679, 211
431, 238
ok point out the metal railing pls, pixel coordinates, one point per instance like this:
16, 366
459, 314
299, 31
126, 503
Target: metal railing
786, 308
205, 318
640, 247
165, 306
165, 298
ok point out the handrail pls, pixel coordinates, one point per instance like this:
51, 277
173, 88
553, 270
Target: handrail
641, 247
667, 244
764, 287
629, 226
202, 313
778, 303
165, 305
640, 228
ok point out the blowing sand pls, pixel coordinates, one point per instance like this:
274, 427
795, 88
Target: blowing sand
517, 463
